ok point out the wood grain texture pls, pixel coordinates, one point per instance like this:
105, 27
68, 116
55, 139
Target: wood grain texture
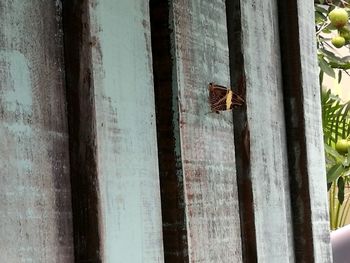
82, 131
168, 137
260, 137
35, 199
304, 131
207, 149
241, 131
117, 105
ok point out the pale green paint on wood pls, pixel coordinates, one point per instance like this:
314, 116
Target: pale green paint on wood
18, 71
35, 201
314, 134
268, 150
126, 134
207, 141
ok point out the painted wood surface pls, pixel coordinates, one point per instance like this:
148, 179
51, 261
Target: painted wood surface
35, 199
112, 134
304, 131
168, 137
260, 137
207, 148
116, 89
82, 132
126, 134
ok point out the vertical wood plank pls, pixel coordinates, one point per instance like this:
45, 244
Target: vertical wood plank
304, 131
245, 191
262, 163
118, 82
126, 134
35, 199
168, 137
207, 149
82, 131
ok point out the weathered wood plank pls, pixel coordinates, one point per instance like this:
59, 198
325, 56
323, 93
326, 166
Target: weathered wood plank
245, 192
169, 145
35, 199
117, 99
82, 131
262, 163
304, 131
207, 150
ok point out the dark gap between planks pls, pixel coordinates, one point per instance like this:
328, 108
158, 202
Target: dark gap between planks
294, 116
170, 169
241, 132
82, 131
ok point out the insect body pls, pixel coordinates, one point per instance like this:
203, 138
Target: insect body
222, 98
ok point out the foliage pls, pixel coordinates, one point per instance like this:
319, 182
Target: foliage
335, 113
328, 59
335, 118
336, 126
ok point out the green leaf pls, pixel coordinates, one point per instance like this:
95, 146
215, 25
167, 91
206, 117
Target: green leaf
339, 65
331, 27
345, 120
325, 67
341, 186
334, 173
327, 31
320, 9
331, 151
330, 55
329, 185
320, 17
320, 78
339, 75
346, 59
335, 118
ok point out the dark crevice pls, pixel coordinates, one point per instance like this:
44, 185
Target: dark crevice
170, 169
82, 131
241, 132
295, 131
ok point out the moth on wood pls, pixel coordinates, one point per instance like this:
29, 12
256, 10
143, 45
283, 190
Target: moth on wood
222, 98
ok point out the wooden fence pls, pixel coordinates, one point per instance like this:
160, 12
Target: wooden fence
109, 151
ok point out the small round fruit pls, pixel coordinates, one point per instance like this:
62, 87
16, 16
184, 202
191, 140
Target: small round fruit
338, 41
338, 17
342, 146
345, 33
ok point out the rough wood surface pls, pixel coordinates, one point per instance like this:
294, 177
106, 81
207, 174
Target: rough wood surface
35, 200
124, 146
262, 163
304, 132
169, 153
245, 191
82, 131
207, 148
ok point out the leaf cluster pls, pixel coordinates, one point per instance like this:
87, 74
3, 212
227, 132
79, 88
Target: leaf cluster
328, 58
336, 126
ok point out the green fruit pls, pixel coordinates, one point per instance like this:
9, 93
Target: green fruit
338, 17
345, 33
338, 41
342, 146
